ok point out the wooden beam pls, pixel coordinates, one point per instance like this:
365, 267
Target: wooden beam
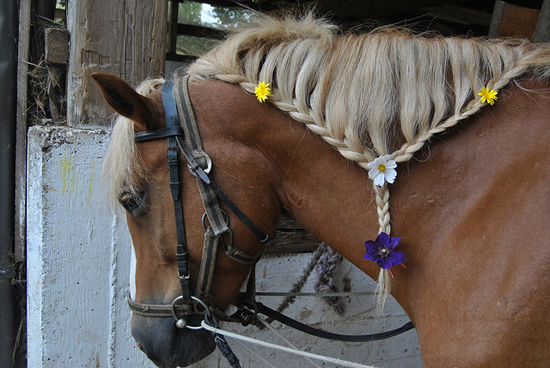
542, 33
198, 31
362, 10
513, 21
247, 4
459, 14
291, 238
126, 38
173, 27
21, 129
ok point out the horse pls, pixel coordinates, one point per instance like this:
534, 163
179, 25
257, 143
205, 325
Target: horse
292, 115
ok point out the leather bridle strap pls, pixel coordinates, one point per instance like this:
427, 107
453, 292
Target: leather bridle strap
150, 135
193, 140
262, 309
172, 151
210, 192
177, 105
159, 310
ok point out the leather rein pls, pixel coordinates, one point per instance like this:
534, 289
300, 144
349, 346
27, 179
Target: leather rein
177, 104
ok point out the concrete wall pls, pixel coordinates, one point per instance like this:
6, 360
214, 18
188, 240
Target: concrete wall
78, 255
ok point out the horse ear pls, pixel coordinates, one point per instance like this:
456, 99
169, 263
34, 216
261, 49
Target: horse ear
127, 102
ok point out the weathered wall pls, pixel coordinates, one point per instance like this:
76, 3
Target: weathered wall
78, 267
77, 256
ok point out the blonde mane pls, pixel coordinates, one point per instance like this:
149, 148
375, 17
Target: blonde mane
354, 90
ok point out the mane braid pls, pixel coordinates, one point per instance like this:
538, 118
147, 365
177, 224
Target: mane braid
353, 90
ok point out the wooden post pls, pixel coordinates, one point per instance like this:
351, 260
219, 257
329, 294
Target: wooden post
542, 34
513, 21
126, 38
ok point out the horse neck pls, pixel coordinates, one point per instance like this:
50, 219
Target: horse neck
431, 201
466, 197
326, 194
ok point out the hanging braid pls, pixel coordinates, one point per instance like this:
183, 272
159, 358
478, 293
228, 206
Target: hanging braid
354, 91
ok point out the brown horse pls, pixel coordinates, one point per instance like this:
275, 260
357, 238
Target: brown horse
472, 211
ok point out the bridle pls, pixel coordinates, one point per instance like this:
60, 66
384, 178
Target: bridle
177, 105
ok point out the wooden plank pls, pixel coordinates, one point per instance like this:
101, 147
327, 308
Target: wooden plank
126, 38
291, 238
459, 14
173, 27
57, 46
513, 21
198, 31
542, 33
21, 129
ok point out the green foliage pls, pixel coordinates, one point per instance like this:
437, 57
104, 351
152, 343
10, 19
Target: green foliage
205, 15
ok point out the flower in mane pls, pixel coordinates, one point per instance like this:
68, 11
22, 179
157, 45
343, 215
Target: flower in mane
488, 95
381, 251
262, 92
382, 170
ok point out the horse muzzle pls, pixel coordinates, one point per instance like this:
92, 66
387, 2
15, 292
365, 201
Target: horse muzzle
169, 346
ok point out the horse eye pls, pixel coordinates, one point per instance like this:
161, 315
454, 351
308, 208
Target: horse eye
132, 202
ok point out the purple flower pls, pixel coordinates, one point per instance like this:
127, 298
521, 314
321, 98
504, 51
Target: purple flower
381, 251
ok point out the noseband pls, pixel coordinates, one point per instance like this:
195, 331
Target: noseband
177, 105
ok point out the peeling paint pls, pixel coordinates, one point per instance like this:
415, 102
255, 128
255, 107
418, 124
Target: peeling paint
66, 164
92, 173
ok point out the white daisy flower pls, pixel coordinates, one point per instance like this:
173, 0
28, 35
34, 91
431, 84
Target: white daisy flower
382, 169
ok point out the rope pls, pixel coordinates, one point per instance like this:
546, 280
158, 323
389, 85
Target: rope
252, 352
302, 281
285, 349
325, 284
268, 325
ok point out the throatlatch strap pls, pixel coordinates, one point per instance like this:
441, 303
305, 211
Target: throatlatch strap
194, 145
208, 190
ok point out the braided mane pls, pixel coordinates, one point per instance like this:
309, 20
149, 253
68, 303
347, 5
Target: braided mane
354, 90
351, 90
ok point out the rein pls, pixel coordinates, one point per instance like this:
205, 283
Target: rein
177, 104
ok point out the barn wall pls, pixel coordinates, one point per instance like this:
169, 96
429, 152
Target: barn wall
78, 267
77, 277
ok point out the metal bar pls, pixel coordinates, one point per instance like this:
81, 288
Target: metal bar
276, 293
8, 107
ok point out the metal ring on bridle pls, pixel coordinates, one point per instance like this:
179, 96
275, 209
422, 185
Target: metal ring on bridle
173, 310
225, 217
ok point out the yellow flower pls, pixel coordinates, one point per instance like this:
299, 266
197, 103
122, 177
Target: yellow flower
488, 95
262, 92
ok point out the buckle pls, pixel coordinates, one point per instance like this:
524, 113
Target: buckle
201, 160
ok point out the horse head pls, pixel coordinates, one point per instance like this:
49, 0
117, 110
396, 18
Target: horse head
145, 193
